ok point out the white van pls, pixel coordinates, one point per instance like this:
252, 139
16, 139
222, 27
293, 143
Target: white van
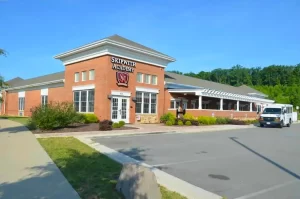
277, 115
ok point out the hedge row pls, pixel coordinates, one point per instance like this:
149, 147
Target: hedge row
170, 119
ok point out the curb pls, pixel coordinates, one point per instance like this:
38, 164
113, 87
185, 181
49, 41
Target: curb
126, 133
170, 182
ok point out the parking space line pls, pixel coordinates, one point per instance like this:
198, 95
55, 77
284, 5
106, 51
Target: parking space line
268, 189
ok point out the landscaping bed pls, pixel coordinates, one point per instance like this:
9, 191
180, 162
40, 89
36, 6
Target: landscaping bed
92, 174
79, 128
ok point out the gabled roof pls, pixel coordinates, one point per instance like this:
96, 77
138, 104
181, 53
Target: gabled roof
117, 41
41, 79
192, 81
13, 81
251, 90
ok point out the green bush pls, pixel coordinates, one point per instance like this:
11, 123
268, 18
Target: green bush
188, 116
180, 123
105, 125
121, 123
116, 125
206, 120
188, 123
222, 120
167, 117
54, 115
169, 123
89, 118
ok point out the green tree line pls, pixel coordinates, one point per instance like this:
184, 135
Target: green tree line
280, 82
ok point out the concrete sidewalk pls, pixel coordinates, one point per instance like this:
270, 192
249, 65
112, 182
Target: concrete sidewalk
26, 170
148, 129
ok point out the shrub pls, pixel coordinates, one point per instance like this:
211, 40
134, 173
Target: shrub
54, 115
169, 123
167, 117
237, 122
195, 122
180, 123
116, 125
222, 120
89, 118
105, 125
188, 123
207, 120
121, 123
188, 116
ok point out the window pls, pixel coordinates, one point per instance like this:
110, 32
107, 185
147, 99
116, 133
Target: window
146, 102
21, 103
193, 104
154, 80
92, 75
139, 77
44, 100
205, 105
147, 79
84, 101
138, 104
83, 76
76, 77
175, 103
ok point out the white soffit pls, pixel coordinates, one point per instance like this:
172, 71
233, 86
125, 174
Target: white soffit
109, 47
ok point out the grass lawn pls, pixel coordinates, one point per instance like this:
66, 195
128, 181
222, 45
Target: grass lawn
22, 120
92, 174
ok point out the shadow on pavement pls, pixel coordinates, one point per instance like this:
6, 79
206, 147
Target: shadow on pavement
265, 158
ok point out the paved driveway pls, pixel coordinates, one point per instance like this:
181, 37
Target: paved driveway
248, 163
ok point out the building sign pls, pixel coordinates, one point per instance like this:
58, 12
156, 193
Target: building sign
123, 65
122, 78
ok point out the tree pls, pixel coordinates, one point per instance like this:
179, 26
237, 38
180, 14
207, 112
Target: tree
2, 52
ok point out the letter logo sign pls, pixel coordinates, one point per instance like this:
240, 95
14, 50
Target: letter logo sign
122, 78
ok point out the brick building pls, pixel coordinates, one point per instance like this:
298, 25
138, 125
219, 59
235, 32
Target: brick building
119, 79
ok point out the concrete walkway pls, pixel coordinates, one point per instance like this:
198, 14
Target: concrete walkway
26, 170
148, 129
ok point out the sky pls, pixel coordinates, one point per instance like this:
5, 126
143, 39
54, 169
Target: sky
200, 35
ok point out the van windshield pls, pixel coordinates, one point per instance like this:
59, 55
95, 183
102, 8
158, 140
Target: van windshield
272, 111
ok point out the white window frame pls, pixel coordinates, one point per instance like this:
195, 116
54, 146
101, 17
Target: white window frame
21, 103
150, 104
142, 77
92, 74
154, 83
147, 75
83, 76
174, 101
193, 104
87, 100
76, 77
43, 100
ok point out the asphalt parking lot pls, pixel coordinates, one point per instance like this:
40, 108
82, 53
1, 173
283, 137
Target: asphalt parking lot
249, 163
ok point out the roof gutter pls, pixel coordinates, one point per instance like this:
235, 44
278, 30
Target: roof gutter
38, 84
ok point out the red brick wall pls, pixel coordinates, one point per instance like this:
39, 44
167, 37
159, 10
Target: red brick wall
12, 104
32, 99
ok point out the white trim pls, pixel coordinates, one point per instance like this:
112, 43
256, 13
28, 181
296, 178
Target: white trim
44, 91
21, 94
90, 71
114, 43
37, 84
76, 79
149, 90
83, 87
121, 93
84, 72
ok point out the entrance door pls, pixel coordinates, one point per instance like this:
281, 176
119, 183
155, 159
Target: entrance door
119, 109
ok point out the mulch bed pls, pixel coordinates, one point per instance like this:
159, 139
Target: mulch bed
79, 128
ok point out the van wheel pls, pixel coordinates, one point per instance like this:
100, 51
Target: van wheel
281, 124
289, 124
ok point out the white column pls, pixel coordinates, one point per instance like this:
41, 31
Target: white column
250, 106
221, 104
237, 105
200, 102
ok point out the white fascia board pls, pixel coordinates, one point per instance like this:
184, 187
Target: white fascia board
83, 87
107, 42
183, 90
144, 89
38, 84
